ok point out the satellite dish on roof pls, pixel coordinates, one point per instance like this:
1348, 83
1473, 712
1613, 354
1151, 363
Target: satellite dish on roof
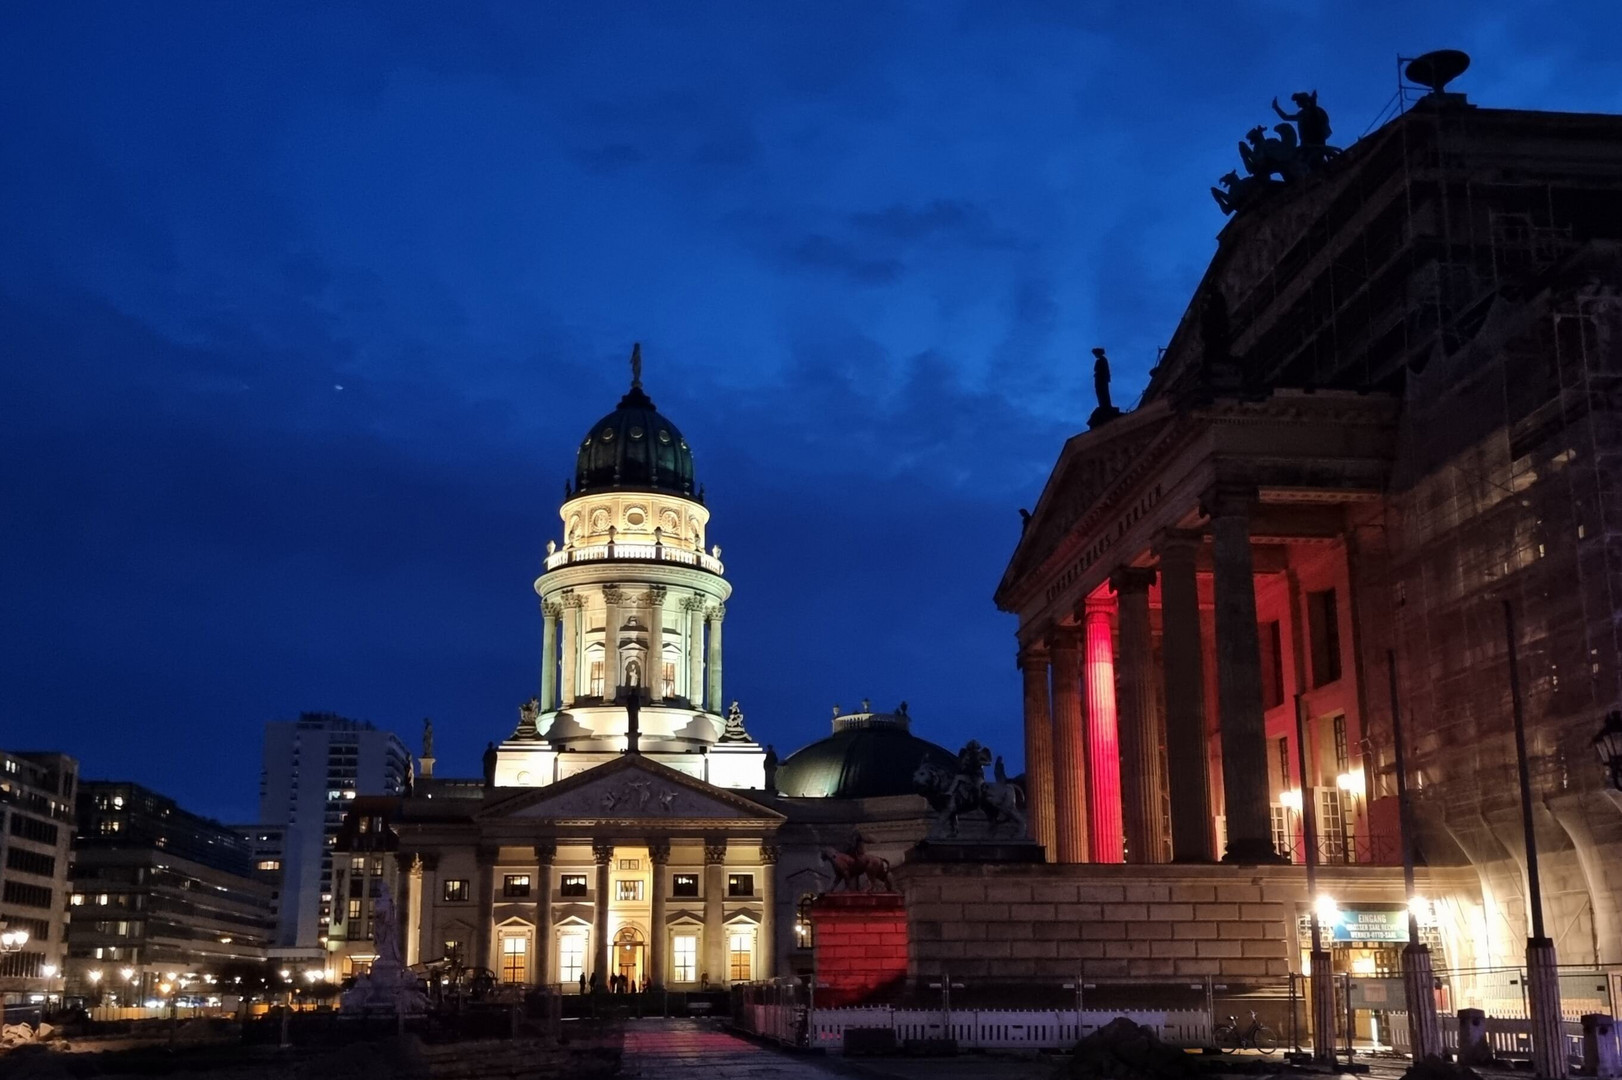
1437, 69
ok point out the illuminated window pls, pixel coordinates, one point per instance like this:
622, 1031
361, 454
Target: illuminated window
377, 867
572, 885
77, 899
738, 955
668, 680
111, 825
358, 864
805, 934
456, 890
514, 959
740, 884
453, 951
269, 864
571, 957
684, 885
595, 681
354, 909
686, 953
515, 885
628, 889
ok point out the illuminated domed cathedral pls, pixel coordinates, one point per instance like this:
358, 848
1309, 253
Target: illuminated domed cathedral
630, 827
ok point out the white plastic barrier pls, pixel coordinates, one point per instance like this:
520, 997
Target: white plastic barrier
1004, 1029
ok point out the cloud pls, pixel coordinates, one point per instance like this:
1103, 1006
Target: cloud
820, 252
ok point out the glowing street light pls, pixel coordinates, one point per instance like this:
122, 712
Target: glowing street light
1328, 911
12, 940
128, 973
48, 970
94, 977
1290, 799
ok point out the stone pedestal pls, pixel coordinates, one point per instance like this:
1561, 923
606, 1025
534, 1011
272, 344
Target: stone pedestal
1324, 1021
1474, 1049
1543, 998
860, 950
976, 852
1602, 1056
1419, 990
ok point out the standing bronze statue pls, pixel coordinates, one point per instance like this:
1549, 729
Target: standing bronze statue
1106, 410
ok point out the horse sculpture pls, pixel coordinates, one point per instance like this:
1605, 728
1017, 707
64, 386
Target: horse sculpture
852, 864
951, 794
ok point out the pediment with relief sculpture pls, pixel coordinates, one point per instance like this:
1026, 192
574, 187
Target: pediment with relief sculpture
632, 788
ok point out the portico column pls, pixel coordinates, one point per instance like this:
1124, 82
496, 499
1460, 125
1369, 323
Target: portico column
1239, 680
426, 950
549, 655
545, 854
1069, 760
658, 933
604, 854
571, 646
612, 621
695, 651
766, 959
715, 857
654, 677
409, 903
712, 692
1188, 774
1103, 741
1142, 785
484, 935
1033, 665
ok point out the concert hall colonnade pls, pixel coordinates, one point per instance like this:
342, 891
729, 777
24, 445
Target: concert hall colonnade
1185, 566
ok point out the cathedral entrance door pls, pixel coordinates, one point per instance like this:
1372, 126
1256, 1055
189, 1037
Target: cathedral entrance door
629, 953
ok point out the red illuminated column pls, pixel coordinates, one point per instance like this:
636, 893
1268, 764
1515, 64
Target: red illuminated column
1103, 748
1142, 783
1069, 757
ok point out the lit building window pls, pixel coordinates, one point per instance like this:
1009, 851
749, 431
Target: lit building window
668, 680
453, 951
628, 889
515, 885
269, 864
457, 889
740, 884
571, 957
354, 909
514, 959
572, 885
686, 953
595, 682
739, 956
684, 885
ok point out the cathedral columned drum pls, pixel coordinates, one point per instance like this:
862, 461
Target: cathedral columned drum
632, 607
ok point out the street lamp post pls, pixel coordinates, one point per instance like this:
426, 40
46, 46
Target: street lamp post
1542, 967
1321, 983
1418, 977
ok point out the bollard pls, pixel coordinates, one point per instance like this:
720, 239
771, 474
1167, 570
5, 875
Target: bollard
1602, 1056
1473, 1046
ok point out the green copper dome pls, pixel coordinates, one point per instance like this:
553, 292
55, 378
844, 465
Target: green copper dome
635, 448
869, 755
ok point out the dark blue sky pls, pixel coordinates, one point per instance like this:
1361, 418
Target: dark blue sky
303, 309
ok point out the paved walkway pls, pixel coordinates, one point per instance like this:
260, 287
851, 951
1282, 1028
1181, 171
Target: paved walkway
695, 1050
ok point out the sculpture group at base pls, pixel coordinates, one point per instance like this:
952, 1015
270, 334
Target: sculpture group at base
855, 870
388, 986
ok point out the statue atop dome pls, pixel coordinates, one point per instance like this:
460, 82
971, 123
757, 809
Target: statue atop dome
636, 365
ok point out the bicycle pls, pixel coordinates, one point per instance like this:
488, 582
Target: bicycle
1258, 1036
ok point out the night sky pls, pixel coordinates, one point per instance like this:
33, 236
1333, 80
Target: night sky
305, 308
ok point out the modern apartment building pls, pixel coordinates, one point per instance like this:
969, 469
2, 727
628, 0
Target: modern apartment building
313, 768
36, 836
160, 893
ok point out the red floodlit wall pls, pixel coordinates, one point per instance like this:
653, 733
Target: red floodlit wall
861, 946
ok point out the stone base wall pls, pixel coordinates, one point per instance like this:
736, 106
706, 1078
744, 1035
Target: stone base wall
861, 946
1105, 921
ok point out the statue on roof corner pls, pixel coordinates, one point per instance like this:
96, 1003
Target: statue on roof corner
528, 713
1106, 410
